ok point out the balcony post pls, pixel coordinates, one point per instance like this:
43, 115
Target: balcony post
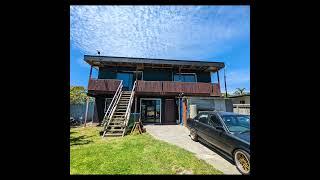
225, 81
90, 75
218, 78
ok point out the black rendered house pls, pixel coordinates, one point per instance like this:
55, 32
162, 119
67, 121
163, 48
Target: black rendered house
155, 88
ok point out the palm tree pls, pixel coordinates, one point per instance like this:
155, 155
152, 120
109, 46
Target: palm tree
239, 91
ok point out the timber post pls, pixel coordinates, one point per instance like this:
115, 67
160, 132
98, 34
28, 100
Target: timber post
86, 117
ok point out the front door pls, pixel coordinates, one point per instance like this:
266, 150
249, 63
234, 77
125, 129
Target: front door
150, 110
169, 111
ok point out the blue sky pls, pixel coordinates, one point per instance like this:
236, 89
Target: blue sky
211, 33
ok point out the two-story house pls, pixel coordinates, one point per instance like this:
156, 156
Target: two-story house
157, 89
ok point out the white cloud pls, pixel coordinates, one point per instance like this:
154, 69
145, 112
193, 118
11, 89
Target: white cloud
187, 32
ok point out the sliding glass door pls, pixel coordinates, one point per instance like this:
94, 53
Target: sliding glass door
150, 110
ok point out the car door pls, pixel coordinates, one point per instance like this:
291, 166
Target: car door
211, 132
202, 125
220, 137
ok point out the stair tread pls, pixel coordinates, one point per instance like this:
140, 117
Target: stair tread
115, 125
113, 133
113, 130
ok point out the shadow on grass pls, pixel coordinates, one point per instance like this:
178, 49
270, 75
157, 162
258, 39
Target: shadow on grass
79, 140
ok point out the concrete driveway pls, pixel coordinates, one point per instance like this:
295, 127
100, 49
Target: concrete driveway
179, 135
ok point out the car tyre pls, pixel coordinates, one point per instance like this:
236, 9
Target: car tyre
242, 161
193, 135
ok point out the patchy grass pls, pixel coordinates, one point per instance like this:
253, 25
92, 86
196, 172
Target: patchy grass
132, 154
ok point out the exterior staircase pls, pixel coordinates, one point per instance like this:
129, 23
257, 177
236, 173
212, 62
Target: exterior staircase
117, 116
116, 126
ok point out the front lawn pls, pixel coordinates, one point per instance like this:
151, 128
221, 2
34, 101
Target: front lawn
132, 154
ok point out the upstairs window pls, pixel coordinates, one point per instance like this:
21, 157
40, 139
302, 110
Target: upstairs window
185, 77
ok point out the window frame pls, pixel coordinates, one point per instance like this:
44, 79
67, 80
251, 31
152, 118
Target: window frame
217, 118
206, 117
178, 74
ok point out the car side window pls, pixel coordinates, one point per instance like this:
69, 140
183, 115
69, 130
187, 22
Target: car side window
214, 121
197, 117
203, 118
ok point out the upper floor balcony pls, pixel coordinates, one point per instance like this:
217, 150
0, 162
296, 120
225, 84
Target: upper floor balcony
109, 86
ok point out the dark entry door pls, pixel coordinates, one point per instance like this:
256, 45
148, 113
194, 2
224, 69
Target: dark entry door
170, 111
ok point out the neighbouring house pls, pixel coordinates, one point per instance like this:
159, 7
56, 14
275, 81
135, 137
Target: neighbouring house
241, 104
161, 91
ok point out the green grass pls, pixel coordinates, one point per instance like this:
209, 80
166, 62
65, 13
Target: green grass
132, 154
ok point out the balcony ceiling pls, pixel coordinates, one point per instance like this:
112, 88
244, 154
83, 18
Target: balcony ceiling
142, 63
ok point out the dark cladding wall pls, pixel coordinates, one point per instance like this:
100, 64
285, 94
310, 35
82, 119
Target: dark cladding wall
100, 103
111, 72
100, 107
150, 74
157, 75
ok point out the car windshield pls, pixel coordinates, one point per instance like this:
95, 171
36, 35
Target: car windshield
237, 123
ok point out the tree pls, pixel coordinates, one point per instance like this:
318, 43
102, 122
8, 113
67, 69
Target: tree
239, 91
78, 95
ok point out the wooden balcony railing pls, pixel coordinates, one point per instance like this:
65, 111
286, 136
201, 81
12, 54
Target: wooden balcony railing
175, 88
107, 86
149, 86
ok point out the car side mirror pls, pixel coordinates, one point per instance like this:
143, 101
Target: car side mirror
220, 128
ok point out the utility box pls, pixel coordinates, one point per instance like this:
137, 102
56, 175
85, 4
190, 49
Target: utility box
193, 111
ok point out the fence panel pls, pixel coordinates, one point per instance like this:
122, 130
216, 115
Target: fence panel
78, 111
241, 108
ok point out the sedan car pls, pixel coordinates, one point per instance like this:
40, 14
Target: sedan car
228, 132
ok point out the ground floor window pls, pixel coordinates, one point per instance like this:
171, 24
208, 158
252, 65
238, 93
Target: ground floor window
150, 110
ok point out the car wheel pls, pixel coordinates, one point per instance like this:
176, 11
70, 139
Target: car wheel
193, 135
242, 160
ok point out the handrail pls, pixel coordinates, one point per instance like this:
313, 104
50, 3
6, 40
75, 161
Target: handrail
112, 111
128, 111
111, 106
112, 101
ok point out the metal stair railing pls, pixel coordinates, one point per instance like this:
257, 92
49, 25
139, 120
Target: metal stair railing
112, 107
128, 111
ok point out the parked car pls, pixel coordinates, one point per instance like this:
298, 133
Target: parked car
228, 132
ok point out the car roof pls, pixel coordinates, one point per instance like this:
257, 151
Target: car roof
223, 113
